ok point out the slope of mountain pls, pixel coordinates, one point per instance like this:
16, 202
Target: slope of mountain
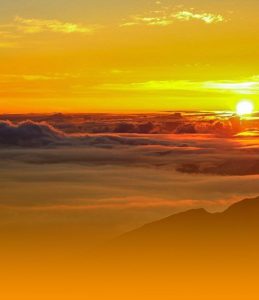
198, 234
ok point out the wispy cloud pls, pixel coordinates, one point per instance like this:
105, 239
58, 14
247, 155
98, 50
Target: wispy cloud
237, 87
13, 31
43, 25
205, 17
37, 77
150, 21
165, 16
241, 87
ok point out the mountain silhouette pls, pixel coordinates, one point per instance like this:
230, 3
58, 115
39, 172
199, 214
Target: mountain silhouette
191, 255
197, 234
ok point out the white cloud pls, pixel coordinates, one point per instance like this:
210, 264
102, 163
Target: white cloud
205, 17
166, 16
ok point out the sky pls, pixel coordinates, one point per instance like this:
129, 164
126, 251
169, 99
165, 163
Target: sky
114, 56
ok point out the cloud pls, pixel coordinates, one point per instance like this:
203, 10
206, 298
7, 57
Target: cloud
11, 32
49, 176
48, 25
167, 16
147, 127
106, 194
244, 87
59, 176
149, 21
40, 134
205, 17
186, 151
108, 129
186, 128
238, 87
229, 167
37, 77
29, 134
137, 179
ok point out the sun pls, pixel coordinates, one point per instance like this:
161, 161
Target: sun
245, 107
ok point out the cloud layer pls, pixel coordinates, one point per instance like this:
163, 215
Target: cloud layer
112, 182
29, 134
191, 148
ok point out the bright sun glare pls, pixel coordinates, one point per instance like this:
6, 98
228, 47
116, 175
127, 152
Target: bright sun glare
245, 107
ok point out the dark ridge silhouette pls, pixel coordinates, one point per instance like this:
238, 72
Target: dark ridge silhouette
197, 235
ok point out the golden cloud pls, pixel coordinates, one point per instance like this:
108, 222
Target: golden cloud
37, 77
205, 17
236, 87
166, 17
42, 25
150, 21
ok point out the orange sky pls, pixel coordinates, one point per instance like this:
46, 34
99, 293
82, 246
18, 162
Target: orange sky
130, 56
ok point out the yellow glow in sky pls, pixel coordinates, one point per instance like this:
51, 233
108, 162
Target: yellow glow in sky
139, 56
